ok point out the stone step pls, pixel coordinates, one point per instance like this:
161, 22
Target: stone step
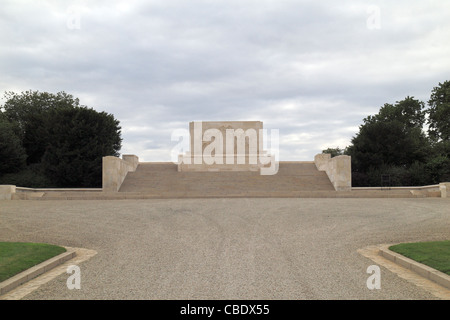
156, 167
164, 177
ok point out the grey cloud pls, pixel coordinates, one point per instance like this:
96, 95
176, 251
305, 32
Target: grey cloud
311, 69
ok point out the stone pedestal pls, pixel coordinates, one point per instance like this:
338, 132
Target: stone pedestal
6, 192
444, 187
225, 146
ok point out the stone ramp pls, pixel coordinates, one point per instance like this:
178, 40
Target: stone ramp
163, 178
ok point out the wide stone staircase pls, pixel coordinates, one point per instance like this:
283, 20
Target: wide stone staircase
163, 179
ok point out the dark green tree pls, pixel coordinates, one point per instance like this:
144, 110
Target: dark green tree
81, 137
439, 112
390, 141
63, 141
12, 154
438, 164
394, 136
409, 111
334, 151
29, 111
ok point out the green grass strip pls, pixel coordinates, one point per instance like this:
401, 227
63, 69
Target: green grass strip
435, 254
16, 257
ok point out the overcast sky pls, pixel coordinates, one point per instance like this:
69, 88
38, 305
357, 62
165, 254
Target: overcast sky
311, 69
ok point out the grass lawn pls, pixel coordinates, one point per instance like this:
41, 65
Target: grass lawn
435, 254
16, 257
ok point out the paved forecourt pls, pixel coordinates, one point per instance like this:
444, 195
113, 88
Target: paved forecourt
227, 248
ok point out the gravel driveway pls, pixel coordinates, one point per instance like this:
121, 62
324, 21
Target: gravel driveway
227, 248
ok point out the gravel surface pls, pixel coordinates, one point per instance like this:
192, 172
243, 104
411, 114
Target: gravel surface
227, 248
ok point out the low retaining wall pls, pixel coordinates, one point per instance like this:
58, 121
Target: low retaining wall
436, 190
39, 193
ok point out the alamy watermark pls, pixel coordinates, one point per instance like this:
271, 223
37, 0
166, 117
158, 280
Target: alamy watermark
229, 146
373, 21
73, 21
374, 281
74, 281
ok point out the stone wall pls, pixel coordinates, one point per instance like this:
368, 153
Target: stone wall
444, 187
6, 192
338, 169
115, 171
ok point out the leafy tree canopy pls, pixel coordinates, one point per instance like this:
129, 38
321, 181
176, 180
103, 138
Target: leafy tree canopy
439, 112
64, 140
334, 151
410, 112
394, 136
30, 112
393, 142
12, 154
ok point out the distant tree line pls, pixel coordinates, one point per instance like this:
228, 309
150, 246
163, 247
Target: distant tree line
405, 142
50, 140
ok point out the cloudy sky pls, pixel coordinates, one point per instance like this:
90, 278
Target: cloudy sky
311, 69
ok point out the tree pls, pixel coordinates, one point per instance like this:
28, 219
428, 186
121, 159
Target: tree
63, 140
12, 154
390, 142
334, 151
394, 136
393, 142
81, 137
29, 111
439, 112
409, 111
438, 162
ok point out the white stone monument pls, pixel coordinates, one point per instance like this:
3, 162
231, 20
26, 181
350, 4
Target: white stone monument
227, 146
